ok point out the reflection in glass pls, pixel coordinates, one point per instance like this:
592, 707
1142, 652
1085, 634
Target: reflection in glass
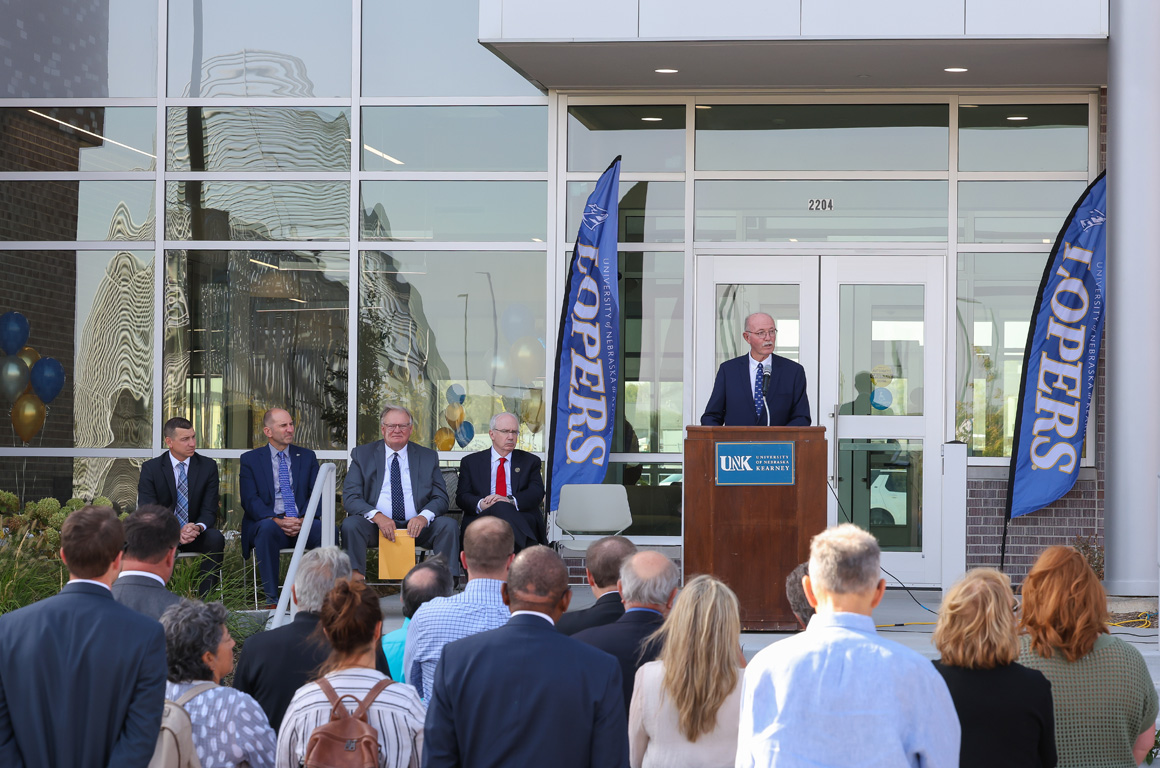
650, 138
880, 490
825, 211
654, 496
455, 211
652, 353
257, 210
79, 50
734, 303
829, 137
996, 295
455, 138
431, 49
650, 211
1044, 137
78, 139
432, 321
33, 478
250, 330
258, 139
76, 210
880, 350
268, 48
1015, 211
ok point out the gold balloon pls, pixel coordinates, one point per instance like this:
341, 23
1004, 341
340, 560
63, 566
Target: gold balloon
455, 415
29, 356
532, 410
27, 416
444, 439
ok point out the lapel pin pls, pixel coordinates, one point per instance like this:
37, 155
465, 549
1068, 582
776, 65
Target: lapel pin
517, 469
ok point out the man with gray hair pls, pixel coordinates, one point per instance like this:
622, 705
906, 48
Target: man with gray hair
276, 663
648, 584
838, 693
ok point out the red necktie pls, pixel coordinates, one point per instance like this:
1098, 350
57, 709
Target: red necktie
501, 479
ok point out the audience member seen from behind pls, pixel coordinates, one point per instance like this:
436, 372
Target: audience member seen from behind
229, 728
602, 564
1105, 701
838, 694
1004, 708
353, 623
686, 704
425, 582
152, 534
274, 664
796, 594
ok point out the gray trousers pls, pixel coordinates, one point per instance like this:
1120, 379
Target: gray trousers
441, 535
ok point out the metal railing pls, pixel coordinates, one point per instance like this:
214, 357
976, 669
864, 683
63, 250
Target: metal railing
324, 495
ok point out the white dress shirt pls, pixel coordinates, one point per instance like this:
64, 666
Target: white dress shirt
383, 505
507, 469
189, 510
160, 580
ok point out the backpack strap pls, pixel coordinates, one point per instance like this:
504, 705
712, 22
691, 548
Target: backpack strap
365, 704
193, 692
332, 697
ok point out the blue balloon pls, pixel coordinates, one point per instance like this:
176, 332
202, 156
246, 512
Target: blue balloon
881, 398
47, 379
13, 332
456, 394
464, 434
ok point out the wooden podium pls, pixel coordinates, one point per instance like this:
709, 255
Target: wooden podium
752, 535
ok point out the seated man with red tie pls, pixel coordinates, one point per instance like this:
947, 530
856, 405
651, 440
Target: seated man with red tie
276, 482
505, 482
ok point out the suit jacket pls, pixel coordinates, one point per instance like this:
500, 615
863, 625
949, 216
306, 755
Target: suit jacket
525, 484
159, 486
274, 664
731, 403
489, 687
257, 481
82, 682
608, 608
625, 639
367, 470
143, 595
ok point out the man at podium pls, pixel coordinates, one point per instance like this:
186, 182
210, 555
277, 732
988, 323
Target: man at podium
760, 388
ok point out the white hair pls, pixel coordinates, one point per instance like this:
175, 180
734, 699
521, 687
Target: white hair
318, 570
844, 560
654, 591
494, 419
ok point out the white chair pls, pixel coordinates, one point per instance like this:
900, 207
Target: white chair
250, 567
591, 509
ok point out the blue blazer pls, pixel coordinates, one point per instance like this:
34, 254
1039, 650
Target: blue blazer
625, 639
257, 486
82, 682
731, 403
525, 694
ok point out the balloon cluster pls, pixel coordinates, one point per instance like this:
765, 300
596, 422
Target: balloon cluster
526, 355
27, 380
457, 430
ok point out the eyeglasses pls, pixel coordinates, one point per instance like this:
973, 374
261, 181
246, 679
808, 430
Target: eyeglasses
508, 432
763, 334
396, 427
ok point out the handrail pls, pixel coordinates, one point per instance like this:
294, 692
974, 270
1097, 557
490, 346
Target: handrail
324, 493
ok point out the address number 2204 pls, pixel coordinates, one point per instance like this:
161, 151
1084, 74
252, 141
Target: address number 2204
821, 204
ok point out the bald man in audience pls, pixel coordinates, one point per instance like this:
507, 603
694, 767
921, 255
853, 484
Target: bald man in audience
525, 694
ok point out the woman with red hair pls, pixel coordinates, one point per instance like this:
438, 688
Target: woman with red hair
1105, 702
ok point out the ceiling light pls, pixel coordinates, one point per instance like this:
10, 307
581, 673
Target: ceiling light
969, 106
300, 301
263, 263
793, 239
954, 69
665, 71
863, 77
652, 119
703, 106
1046, 240
1016, 117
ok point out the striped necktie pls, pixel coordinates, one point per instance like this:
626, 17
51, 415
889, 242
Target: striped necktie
182, 510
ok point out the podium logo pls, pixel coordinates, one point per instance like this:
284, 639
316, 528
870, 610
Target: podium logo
736, 464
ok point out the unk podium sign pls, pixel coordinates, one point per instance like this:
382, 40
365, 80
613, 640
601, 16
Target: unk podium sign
755, 463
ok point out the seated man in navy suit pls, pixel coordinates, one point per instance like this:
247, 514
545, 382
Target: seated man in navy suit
760, 388
276, 482
504, 481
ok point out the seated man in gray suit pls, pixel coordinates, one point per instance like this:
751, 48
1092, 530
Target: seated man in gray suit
152, 534
394, 484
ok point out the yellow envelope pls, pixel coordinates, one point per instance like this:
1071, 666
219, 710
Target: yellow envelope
396, 558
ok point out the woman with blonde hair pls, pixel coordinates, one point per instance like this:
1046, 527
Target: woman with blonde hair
686, 705
1004, 708
1105, 702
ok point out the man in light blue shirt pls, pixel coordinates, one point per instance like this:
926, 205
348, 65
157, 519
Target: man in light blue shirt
488, 549
838, 694
425, 582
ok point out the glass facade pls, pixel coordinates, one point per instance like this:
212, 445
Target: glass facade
328, 230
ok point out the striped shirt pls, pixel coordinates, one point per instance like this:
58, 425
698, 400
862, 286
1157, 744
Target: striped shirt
229, 727
478, 608
397, 715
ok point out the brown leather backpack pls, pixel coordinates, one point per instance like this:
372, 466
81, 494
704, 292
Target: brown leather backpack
348, 740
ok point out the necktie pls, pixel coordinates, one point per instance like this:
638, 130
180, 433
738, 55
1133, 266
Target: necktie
288, 505
398, 509
758, 400
501, 479
182, 510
